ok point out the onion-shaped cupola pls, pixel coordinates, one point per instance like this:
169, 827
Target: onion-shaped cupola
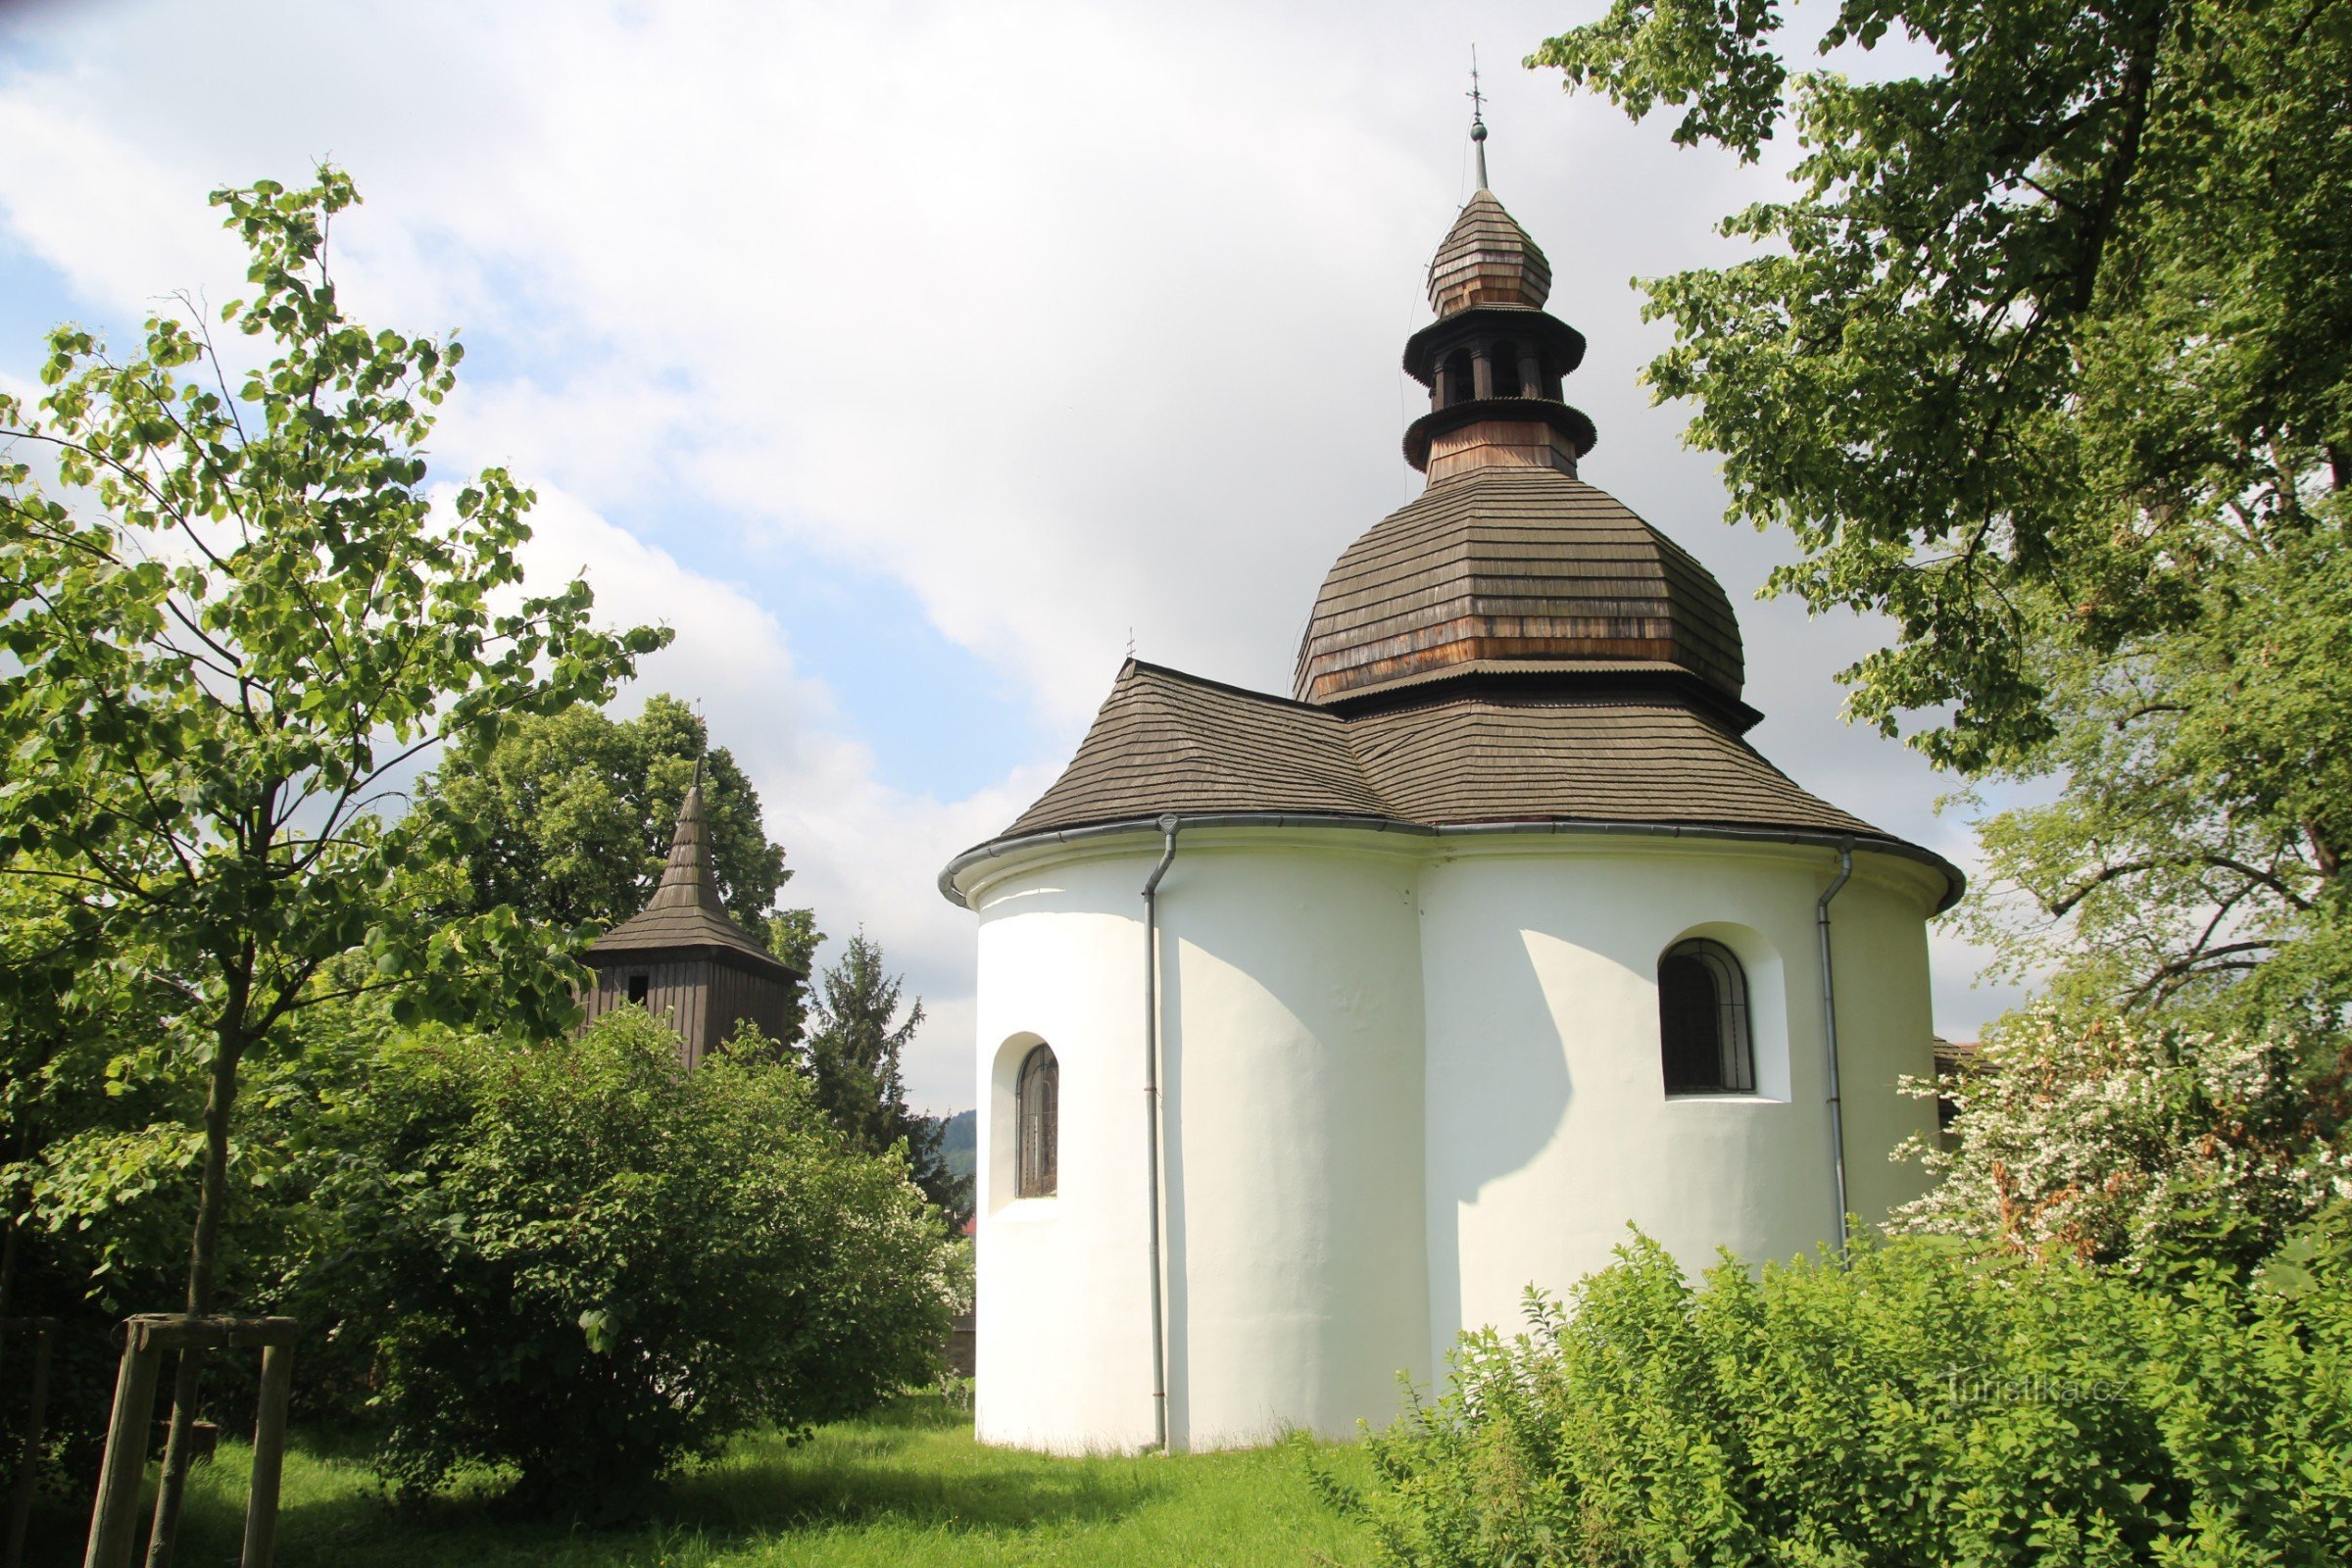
1510, 576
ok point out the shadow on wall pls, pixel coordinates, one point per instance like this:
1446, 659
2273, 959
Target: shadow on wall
1496, 1100
1315, 1100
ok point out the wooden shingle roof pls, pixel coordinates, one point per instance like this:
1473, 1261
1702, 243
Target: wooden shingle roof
1165, 741
1488, 259
1601, 759
685, 913
1514, 651
1513, 563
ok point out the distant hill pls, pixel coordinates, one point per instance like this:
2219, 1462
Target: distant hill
959, 1143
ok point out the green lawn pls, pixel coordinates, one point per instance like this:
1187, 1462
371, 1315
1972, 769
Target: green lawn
908, 1487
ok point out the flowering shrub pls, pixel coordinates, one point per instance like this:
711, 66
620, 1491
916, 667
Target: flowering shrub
2123, 1141
1922, 1405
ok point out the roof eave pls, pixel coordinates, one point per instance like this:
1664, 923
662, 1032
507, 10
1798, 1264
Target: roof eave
603, 957
1955, 881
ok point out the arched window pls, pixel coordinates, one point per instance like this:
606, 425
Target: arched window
1702, 1020
1037, 1099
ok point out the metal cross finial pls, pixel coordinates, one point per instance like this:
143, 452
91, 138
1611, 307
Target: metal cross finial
1478, 117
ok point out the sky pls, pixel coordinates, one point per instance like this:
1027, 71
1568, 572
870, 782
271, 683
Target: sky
914, 362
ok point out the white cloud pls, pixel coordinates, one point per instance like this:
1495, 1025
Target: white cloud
863, 854
1072, 319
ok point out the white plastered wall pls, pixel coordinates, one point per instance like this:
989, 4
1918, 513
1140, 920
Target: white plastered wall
1405, 1078
1293, 1009
1548, 1128
1062, 1345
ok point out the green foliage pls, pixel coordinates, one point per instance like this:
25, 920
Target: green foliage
1917, 1406
568, 818
2157, 1147
2047, 357
588, 1263
852, 1059
234, 615
2188, 862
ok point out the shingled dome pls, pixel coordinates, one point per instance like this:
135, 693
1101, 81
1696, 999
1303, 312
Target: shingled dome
1487, 259
1508, 570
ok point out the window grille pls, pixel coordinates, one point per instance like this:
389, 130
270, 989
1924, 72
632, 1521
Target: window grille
1702, 1020
1038, 1097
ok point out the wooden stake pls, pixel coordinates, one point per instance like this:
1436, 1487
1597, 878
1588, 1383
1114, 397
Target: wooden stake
115, 1517
171, 1486
268, 1456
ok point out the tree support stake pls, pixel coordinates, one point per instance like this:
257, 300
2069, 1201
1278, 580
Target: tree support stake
114, 1516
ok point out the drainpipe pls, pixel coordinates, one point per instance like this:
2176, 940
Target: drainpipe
1159, 1349
1829, 1028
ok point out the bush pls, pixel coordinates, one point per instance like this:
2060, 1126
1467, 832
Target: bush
590, 1264
2119, 1140
1920, 1406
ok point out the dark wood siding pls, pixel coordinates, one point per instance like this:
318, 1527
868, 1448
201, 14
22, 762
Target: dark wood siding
700, 997
675, 989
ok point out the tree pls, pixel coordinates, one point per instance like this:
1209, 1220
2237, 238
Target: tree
852, 1058
235, 614
97, 1164
587, 1261
567, 820
2048, 358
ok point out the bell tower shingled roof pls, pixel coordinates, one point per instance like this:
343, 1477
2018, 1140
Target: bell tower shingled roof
688, 880
685, 910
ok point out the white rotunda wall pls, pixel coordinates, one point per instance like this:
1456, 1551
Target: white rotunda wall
1062, 1342
1291, 1012
1294, 1017
1547, 1124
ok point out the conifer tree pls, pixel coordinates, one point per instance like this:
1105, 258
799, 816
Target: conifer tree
850, 1054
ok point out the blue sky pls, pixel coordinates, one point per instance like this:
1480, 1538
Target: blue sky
911, 359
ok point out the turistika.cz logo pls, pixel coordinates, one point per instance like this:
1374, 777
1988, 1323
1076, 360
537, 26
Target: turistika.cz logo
1968, 1387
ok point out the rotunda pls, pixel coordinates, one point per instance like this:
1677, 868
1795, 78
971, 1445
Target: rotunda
1312, 1030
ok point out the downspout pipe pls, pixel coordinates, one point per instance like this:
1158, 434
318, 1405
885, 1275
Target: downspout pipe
1159, 1329
1828, 1030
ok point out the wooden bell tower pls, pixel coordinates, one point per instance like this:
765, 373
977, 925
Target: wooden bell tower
682, 958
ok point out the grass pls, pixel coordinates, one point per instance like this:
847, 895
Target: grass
908, 1487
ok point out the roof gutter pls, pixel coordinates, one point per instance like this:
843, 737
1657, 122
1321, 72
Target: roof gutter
1954, 883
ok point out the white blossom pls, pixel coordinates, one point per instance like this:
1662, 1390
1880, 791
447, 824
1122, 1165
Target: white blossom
2123, 1140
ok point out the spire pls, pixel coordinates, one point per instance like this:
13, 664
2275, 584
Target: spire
1478, 119
687, 881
